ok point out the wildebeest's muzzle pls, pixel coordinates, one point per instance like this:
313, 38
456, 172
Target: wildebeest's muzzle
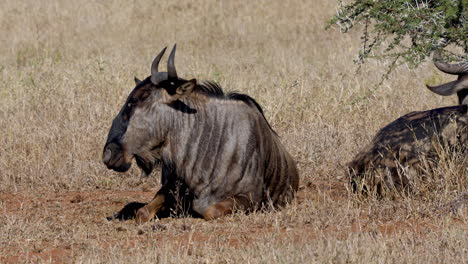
114, 154
114, 158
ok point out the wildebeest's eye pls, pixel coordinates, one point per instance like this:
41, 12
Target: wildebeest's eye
129, 105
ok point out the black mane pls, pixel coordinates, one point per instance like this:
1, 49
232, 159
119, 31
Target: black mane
213, 89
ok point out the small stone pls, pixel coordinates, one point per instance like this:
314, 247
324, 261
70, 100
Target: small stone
77, 199
120, 229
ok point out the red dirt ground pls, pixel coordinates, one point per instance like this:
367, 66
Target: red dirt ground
91, 207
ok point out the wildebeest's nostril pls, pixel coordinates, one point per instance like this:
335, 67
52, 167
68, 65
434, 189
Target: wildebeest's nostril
107, 155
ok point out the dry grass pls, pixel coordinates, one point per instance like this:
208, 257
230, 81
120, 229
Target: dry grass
67, 66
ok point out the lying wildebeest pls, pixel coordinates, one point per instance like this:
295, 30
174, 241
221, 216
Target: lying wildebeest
217, 150
398, 151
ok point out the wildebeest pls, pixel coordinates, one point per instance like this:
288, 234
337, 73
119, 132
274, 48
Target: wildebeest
216, 149
398, 151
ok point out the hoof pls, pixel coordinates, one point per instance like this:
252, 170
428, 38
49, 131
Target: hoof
142, 215
212, 213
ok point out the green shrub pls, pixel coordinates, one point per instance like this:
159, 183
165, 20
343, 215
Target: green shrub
406, 31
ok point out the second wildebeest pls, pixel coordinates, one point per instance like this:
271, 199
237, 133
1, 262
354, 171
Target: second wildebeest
217, 146
407, 146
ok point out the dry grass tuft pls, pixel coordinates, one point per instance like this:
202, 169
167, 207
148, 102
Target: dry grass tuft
66, 67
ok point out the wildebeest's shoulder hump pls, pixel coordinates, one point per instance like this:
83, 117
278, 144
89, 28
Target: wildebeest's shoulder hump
246, 99
250, 102
213, 89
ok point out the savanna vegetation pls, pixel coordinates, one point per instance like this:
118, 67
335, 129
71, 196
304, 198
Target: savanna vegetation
66, 68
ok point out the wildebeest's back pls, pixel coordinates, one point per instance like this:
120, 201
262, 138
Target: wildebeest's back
409, 137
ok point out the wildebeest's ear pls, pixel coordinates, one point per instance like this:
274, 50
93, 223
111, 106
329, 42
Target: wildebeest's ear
186, 88
137, 81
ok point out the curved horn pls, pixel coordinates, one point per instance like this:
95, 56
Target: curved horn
171, 70
154, 67
443, 89
155, 64
455, 69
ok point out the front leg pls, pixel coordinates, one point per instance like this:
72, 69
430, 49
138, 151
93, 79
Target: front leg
162, 200
148, 212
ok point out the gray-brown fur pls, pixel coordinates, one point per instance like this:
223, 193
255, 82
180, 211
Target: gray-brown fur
396, 152
218, 146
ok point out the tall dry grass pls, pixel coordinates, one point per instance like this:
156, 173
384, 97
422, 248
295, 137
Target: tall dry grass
66, 68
